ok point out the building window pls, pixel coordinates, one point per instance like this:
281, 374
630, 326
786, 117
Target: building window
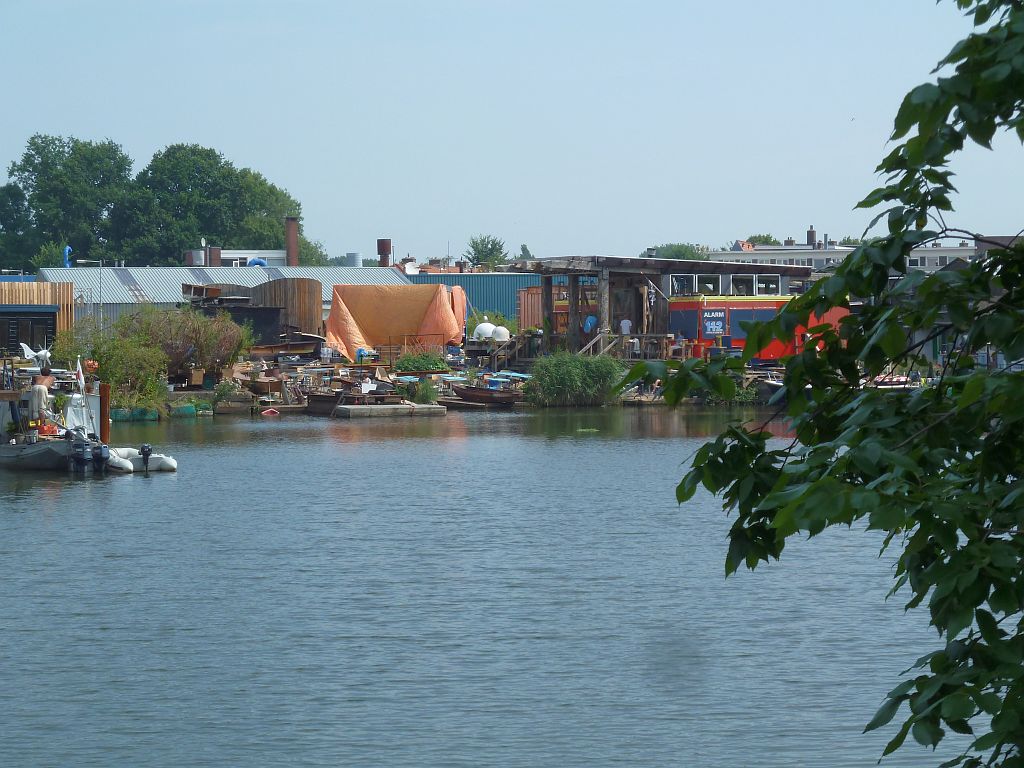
742, 285
709, 285
768, 285
915, 262
37, 332
943, 260
683, 285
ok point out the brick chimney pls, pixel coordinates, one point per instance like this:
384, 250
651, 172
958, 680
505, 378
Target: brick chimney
812, 236
213, 256
291, 240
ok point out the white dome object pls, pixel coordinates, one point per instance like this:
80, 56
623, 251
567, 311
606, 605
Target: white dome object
501, 334
484, 331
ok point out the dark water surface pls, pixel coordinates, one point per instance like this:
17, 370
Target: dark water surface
480, 590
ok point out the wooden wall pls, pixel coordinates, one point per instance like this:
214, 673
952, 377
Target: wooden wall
300, 299
61, 294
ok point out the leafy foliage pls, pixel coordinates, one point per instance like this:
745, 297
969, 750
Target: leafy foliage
68, 191
61, 190
486, 251
422, 392
567, 379
763, 240
850, 240
137, 351
939, 469
50, 254
684, 251
421, 361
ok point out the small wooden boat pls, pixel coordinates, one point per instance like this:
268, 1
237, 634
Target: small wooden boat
488, 396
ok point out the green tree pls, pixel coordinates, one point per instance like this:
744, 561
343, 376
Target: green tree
312, 253
50, 254
486, 251
683, 251
67, 189
524, 253
16, 235
763, 240
939, 469
850, 240
185, 193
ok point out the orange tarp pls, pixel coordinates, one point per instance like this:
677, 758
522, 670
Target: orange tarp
370, 316
460, 303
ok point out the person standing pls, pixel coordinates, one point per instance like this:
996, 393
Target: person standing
40, 399
625, 327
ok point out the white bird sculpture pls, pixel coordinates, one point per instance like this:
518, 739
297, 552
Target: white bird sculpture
42, 357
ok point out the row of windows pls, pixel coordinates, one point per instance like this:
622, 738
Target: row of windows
740, 285
913, 261
789, 262
927, 261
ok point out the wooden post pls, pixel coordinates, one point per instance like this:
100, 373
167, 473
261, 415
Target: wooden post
104, 412
574, 313
547, 303
604, 314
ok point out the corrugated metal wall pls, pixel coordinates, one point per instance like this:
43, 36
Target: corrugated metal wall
495, 291
61, 294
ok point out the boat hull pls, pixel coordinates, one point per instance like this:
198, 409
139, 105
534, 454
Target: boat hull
488, 396
39, 456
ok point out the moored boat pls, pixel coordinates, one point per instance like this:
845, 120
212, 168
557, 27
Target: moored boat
488, 396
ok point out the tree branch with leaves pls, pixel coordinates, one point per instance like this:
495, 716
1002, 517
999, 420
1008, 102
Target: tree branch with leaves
939, 469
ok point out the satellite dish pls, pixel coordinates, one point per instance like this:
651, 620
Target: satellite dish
202, 242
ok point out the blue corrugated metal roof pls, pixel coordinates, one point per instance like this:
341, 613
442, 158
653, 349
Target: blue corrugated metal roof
162, 285
17, 278
493, 291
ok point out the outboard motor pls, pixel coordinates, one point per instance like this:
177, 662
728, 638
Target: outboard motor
80, 455
146, 451
100, 456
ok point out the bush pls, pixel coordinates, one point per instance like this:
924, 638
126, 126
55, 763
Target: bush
566, 379
424, 392
137, 350
421, 361
743, 394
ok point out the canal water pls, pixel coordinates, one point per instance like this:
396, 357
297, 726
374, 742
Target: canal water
480, 590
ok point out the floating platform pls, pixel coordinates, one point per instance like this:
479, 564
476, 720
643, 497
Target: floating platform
387, 411
458, 404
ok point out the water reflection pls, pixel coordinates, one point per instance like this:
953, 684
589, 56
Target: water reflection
610, 422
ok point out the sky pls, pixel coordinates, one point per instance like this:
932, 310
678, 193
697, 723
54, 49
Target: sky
573, 126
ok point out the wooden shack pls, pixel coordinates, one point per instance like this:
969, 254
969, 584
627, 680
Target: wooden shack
299, 300
33, 314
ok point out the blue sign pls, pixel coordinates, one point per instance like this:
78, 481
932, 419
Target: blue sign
714, 323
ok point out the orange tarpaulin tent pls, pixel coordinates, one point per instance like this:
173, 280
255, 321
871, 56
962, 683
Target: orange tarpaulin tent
368, 316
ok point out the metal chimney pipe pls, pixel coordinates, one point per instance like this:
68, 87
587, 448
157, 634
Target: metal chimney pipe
384, 251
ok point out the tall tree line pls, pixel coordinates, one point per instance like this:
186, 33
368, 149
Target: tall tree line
67, 191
